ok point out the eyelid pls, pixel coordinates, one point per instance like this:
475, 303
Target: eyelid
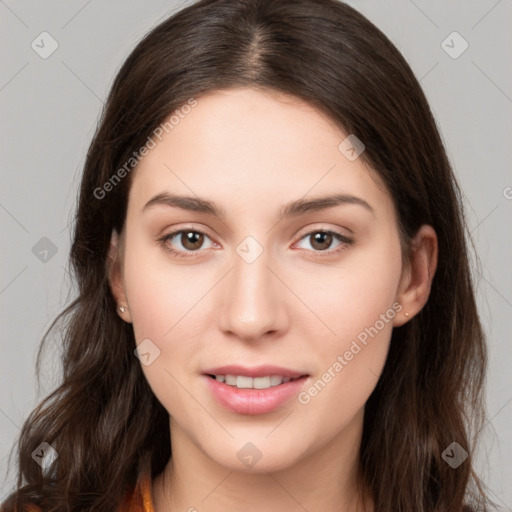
322, 227
186, 228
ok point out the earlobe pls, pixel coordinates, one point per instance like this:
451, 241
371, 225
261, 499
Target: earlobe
115, 276
417, 280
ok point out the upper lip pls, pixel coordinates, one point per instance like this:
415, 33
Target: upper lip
255, 371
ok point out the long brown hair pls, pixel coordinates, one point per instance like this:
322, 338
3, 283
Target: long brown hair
104, 420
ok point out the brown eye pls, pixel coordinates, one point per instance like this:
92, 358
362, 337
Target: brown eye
321, 240
185, 243
191, 240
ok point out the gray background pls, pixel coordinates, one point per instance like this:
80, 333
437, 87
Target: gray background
50, 107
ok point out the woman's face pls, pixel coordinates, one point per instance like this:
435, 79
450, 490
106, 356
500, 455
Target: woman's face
268, 285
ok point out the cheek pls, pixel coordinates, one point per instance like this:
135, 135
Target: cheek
352, 297
167, 305
357, 307
160, 294
349, 367
162, 304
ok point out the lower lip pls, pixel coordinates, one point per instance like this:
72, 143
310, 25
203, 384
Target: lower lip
254, 401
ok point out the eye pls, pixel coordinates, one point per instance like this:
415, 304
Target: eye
186, 241
321, 241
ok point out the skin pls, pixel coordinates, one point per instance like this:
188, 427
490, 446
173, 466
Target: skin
251, 151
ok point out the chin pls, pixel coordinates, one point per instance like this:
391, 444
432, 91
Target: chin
257, 456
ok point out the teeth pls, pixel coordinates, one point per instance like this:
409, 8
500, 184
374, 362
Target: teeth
231, 380
244, 382
261, 382
275, 380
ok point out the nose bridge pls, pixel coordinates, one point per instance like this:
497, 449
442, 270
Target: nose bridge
253, 301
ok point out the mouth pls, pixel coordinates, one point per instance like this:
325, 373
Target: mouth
245, 382
253, 390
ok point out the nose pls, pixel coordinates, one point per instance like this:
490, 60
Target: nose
253, 301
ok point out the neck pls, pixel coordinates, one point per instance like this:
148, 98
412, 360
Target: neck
323, 481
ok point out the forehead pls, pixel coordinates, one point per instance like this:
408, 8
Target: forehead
254, 145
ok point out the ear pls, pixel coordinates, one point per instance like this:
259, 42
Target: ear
414, 288
115, 275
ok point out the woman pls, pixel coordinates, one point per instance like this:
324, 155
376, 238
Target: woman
275, 306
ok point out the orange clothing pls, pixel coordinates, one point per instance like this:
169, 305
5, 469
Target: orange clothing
138, 500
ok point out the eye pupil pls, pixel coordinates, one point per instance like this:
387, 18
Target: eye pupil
322, 239
190, 239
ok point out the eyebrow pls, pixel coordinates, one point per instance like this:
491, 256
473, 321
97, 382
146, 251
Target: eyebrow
292, 209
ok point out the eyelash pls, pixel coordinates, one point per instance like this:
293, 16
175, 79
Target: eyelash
179, 254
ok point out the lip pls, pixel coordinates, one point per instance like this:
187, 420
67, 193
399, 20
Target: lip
256, 371
254, 401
